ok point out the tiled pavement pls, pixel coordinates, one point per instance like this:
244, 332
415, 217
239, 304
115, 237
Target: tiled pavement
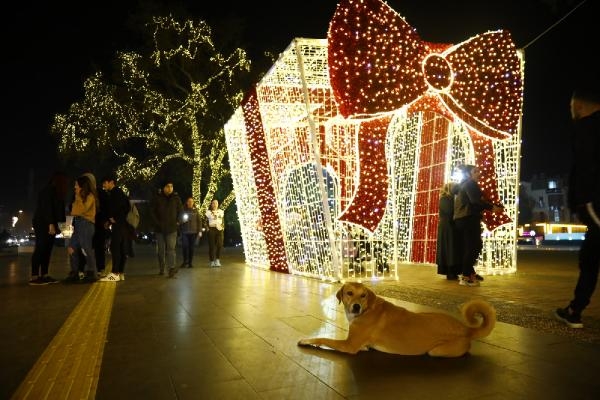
231, 333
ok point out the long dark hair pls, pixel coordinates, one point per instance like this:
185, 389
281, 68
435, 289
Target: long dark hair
85, 186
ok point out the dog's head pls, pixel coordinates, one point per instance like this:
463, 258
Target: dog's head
356, 298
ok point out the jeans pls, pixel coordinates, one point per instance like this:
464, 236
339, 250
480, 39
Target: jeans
165, 250
82, 238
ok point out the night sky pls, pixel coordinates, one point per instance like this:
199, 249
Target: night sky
51, 49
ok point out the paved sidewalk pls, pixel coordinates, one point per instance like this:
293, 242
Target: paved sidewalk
231, 333
544, 281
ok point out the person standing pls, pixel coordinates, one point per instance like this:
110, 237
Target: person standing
584, 198
165, 210
469, 205
101, 233
215, 232
83, 211
447, 251
191, 231
49, 211
120, 231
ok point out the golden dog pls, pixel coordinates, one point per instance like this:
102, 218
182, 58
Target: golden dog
380, 325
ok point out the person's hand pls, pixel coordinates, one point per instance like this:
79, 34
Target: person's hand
51, 229
497, 208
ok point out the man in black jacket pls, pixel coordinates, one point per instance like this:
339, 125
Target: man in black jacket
165, 210
584, 198
120, 231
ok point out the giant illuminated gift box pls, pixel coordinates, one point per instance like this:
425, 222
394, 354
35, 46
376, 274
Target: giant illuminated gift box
339, 153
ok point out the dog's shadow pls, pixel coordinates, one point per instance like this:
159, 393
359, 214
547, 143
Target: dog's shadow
377, 369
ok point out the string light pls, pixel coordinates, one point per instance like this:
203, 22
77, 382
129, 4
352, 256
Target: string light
184, 126
365, 128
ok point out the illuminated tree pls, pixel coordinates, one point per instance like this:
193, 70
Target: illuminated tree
166, 105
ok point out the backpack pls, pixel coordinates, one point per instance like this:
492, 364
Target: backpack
133, 216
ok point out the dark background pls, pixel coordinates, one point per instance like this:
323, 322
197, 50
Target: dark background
51, 48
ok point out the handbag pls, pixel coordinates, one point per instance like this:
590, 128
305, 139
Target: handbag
133, 216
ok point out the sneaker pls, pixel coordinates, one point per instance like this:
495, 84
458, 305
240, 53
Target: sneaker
81, 275
122, 276
89, 277
452, 277
571, 319
111, 278
72, 278
479, 277
49, 279
37, 282
212, 264
468, 281
217, 263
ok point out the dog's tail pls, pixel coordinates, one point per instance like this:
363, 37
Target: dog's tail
480, 317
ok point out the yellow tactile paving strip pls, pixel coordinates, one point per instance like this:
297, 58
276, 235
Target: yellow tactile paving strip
70, 366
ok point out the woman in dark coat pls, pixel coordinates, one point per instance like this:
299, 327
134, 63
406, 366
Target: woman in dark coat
446, 257
49, 211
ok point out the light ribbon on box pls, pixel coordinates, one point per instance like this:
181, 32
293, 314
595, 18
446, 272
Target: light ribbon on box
378, 64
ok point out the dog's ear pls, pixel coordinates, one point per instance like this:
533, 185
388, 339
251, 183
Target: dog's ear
340, 293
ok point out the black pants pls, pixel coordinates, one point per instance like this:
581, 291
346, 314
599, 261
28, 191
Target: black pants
589, 263
188, 241
119, 247
99, 243
215, 243
40, 259
468, 230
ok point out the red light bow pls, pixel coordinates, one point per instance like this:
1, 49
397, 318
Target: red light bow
378, 64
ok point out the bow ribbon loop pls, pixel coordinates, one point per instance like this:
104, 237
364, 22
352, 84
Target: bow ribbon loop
387, 66
378, 64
